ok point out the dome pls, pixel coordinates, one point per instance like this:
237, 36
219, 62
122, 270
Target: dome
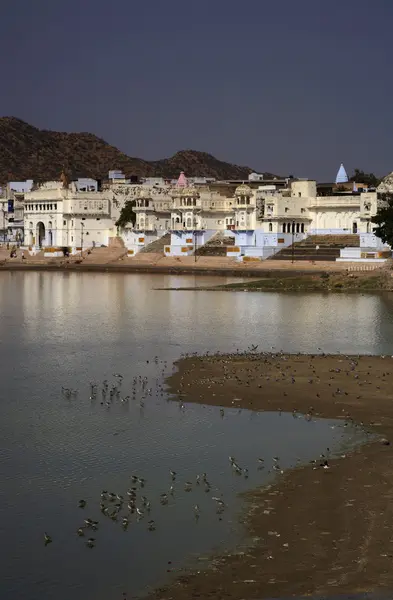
386, 185
189, 192
243, 190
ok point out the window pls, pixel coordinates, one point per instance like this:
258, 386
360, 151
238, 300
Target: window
270, 226
302, 228
302, 210
83, 218
72, 222
55, 206
98, 219
286, 209
64, 222
284, 227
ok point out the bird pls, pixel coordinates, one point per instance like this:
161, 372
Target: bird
80, 532
47, 538
82, 503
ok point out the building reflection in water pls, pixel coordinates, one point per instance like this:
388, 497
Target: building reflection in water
128, 309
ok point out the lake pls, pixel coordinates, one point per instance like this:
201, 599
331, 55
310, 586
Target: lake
69, 329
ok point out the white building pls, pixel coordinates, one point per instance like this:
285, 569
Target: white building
75, 215
261, 216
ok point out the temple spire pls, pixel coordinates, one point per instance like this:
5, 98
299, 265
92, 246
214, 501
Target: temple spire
341, 176
182, 181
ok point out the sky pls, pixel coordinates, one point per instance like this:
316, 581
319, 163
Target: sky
293, 87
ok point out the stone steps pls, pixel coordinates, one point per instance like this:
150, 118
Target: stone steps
216, 246
157, 247
329, 247
104, 255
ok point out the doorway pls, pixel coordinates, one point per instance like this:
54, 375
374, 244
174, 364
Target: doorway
40, 233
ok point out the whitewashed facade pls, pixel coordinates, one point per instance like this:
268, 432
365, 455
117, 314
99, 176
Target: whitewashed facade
56, 215
261, 218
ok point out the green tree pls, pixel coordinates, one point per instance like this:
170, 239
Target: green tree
127, 215
369, 179
384, 219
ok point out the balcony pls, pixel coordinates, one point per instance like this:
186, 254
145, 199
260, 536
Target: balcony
180, 227
186, 204
218, 206
162, 206
243, 203
148, 208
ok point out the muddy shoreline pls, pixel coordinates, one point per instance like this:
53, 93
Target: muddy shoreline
161, 269
315, 531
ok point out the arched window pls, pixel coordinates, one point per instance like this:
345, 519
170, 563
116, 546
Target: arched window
302, 228
284, 227
189, 222
297, 227
270, 226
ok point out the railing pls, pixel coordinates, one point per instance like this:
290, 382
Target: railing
364, 267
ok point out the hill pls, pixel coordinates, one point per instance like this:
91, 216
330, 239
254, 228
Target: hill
30, 153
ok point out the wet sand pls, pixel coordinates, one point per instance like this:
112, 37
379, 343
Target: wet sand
314, 531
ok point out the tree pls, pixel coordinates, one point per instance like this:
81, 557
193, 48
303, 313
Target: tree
369, 179
384, 219
127, 215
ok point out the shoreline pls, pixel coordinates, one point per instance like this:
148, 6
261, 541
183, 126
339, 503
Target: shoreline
235, 271
270, 278
314, 531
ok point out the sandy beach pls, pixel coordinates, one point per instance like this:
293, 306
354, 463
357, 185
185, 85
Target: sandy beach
315, 530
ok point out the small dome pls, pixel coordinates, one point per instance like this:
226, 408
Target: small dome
243, 190
189, 192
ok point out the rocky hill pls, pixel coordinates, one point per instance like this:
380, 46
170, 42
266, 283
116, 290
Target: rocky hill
30, 153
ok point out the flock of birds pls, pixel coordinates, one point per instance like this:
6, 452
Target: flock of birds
134, 506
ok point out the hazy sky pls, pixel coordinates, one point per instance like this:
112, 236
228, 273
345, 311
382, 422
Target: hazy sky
288, 86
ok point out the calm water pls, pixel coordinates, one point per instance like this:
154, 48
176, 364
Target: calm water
68, 329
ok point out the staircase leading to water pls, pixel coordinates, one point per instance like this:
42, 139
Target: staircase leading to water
157, 247
104, 255
216, 246
329, 247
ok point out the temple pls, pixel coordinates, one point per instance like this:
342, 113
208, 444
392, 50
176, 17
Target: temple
341, 176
